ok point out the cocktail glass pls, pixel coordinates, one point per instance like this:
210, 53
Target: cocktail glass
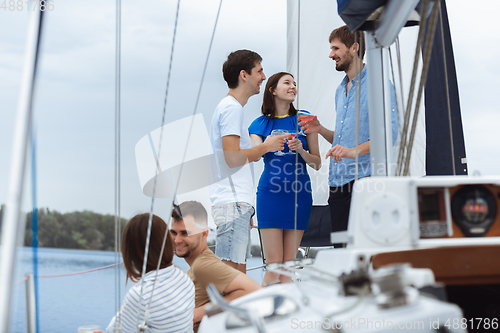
292, 135
88, 329
304, 116
277, 132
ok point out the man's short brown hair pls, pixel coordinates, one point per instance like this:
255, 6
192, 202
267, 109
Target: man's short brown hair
236, 62
193, 208
347, 38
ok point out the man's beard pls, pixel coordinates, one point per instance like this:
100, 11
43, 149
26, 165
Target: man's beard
187, 253
344, 66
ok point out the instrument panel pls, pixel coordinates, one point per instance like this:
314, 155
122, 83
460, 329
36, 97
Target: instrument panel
473, 210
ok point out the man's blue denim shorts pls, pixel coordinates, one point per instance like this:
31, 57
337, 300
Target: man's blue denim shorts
233, 231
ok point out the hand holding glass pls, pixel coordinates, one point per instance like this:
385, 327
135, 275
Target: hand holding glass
278, 132
304, 116
292, 136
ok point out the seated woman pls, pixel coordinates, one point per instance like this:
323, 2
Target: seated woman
172, 301
284, 195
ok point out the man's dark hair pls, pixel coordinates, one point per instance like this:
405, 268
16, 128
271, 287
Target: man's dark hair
236, 62
193, 208
347, 37
134, 243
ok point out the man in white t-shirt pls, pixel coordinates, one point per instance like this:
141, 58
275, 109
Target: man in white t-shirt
233, 196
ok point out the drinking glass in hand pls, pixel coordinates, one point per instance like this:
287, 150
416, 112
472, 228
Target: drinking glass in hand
292, 135
89, 329
304, 116
277, 132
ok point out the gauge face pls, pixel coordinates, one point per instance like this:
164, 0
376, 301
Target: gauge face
474, 209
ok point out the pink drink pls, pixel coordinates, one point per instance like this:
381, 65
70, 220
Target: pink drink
292, 135
306, 118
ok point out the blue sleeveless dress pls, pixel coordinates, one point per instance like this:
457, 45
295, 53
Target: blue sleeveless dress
277, 186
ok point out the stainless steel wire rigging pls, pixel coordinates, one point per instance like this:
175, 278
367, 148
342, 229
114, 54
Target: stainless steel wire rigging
143, 324
117, 165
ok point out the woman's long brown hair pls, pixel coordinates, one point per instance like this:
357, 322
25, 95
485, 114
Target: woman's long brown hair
134, 243
268, 107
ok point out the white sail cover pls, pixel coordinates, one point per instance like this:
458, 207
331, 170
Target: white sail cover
309, 26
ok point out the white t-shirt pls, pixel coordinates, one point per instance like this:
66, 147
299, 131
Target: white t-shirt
228, 119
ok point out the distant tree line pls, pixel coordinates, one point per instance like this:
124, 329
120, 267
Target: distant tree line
83, 231
77, 230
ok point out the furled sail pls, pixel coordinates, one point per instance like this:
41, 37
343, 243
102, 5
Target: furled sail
356, 12
444, 156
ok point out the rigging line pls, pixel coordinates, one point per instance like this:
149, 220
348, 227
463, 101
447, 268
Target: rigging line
404, 134
150, 222
197, 100
403, 108
395, 91
79, 273
357, 107
387, 145
185, 150
398, 58
357, 97
396, 94
24, 279
157, 269
117, 164
431, 29
295, 242
34, 225
361, 47
447, 89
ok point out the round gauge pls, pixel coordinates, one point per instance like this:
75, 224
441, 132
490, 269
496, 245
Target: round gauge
474, 209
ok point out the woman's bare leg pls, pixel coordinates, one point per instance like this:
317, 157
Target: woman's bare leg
272, 240
291, 242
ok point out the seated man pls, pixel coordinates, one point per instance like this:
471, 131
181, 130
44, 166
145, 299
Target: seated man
189, 232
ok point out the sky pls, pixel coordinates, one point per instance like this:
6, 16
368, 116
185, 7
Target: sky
75, 103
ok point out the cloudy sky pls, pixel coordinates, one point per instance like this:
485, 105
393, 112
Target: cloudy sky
74, 103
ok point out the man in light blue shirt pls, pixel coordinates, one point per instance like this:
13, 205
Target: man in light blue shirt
343, 139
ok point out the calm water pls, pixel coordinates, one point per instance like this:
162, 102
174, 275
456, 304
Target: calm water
68, 302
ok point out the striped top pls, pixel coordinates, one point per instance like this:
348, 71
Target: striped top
171, 308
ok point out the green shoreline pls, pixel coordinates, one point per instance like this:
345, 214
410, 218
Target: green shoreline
84, 230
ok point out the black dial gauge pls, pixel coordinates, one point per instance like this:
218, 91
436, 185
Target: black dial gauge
474, 209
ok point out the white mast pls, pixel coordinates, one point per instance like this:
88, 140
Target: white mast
18, 166
395, 15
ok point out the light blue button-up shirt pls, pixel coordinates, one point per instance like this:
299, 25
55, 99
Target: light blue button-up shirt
344, 171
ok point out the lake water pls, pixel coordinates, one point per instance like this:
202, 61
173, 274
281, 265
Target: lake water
65, 303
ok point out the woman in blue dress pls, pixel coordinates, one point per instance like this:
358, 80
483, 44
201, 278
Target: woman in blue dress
284, 177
